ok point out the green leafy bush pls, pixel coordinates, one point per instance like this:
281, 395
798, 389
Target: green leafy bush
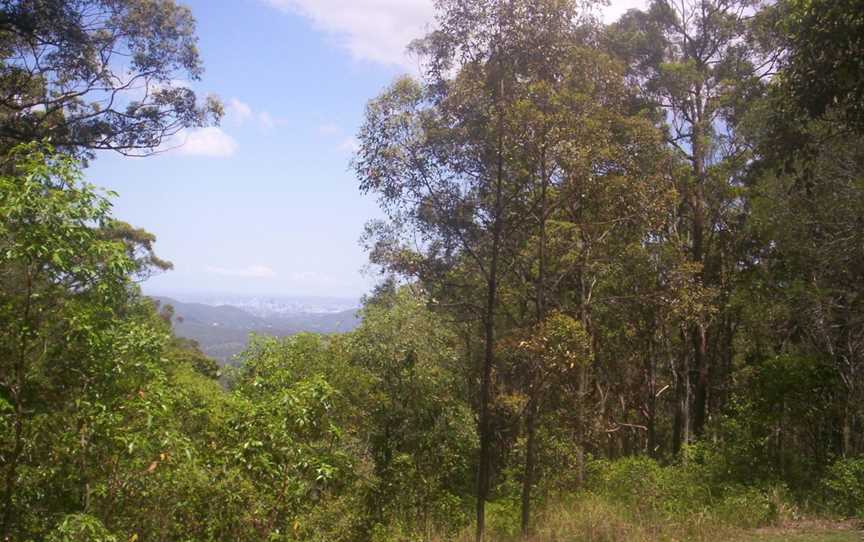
648, 487
670, 493
81, 528
844, 485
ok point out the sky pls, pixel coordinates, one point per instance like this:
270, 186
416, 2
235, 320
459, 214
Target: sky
265, 203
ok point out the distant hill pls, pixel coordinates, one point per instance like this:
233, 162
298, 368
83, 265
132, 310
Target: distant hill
222, 331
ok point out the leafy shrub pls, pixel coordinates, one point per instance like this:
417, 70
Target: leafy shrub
667, 494
648, 487
750, 507
81, 528
634, 481
503, 516
844, 485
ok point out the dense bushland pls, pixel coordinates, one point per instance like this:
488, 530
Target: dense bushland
620, 300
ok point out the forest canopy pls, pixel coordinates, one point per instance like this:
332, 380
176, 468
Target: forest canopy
620, 294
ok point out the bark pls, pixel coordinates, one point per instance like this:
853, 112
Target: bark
533, 386
681, 429
530, 467
582, 432
651, 397
698, 332
484, 468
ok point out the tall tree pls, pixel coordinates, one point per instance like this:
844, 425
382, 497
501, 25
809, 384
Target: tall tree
824, 59
597, 185
693, 60
443, 156
805, 253
99, 74
447, 217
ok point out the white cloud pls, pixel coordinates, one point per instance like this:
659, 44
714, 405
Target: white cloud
239, 112
376, 30
210, 141
252, 272
380, 30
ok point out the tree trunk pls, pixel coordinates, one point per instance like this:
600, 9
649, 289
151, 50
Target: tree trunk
484, 467
700, 386
651, 398
698, 331
530, 466
534, 386
681, 430
582, 432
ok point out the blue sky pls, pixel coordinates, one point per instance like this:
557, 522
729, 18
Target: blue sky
265, 203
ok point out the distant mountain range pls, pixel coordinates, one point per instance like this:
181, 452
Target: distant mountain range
222, 330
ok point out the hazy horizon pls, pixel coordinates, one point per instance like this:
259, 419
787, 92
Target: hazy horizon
209, 297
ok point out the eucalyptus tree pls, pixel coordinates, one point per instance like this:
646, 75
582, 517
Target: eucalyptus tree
445, 158
698, 67
806, 200
99, 74
598, 188
447, 211
824, 56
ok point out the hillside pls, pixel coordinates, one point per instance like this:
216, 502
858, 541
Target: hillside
222, 331
432, 270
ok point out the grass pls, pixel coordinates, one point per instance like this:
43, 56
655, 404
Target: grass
810, 537
591, 518
813, 531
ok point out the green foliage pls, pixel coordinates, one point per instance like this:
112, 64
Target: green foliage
99, 74
643, 484
421, 430
688, 311
103, 418
825, 52
786, 397
672, 494
80, 528
64, 288
289, 436
844, 484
